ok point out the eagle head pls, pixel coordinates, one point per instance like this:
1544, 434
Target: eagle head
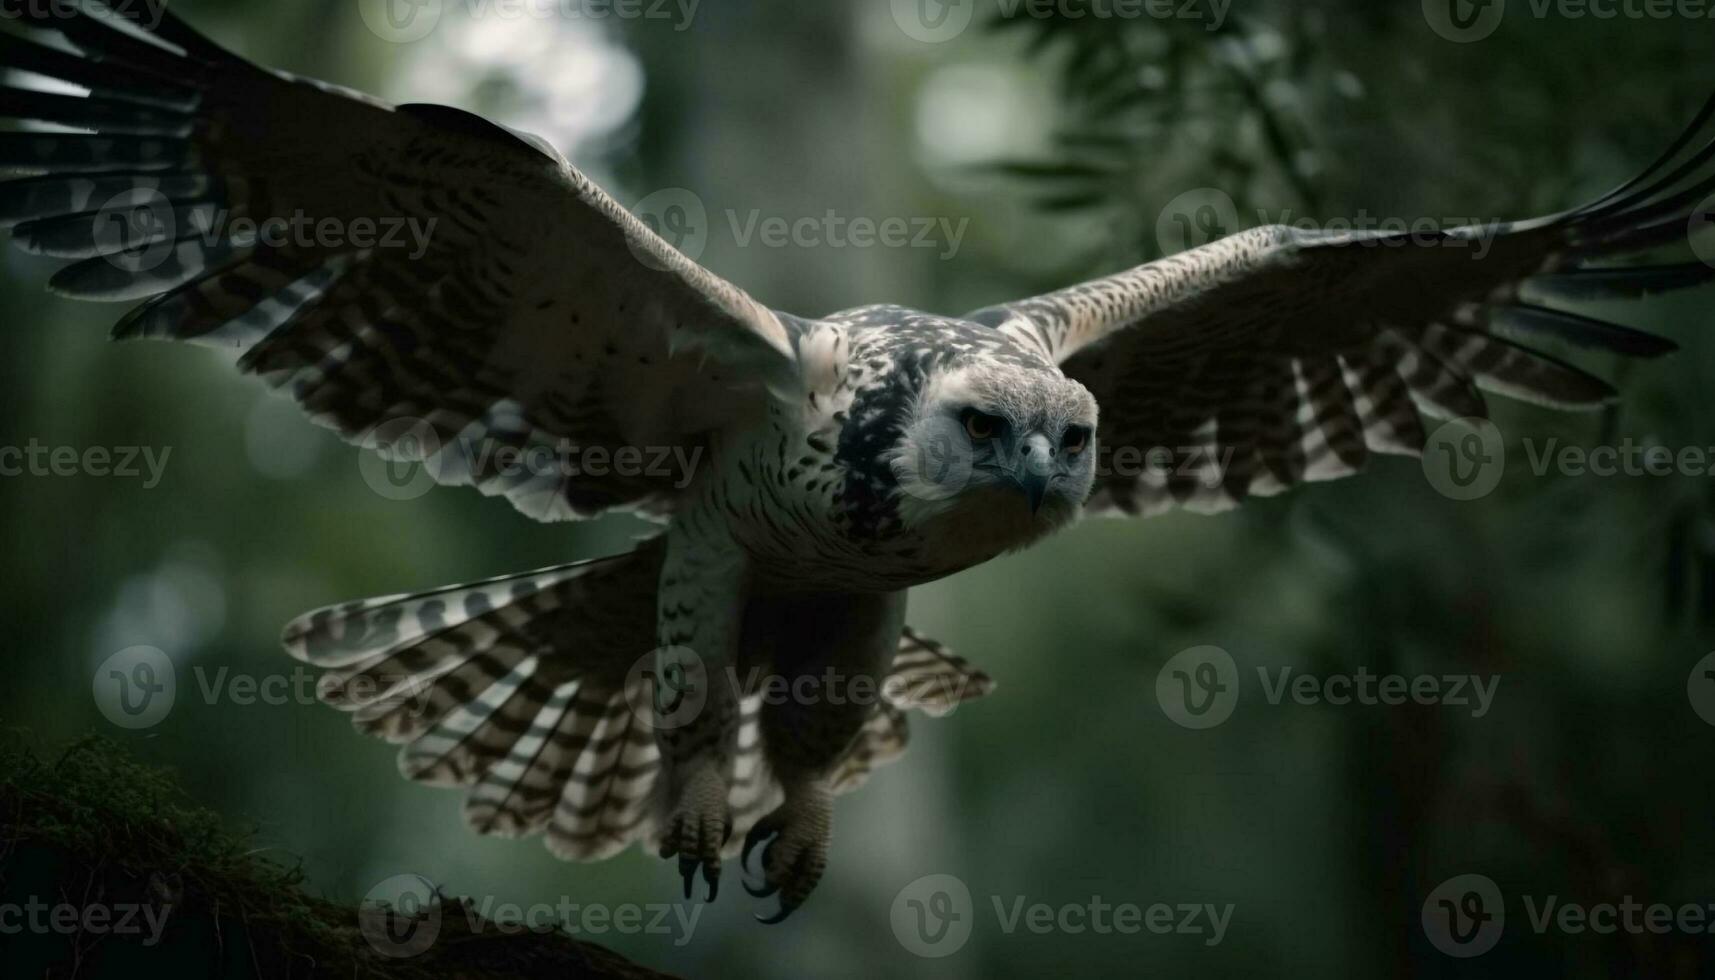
997, 448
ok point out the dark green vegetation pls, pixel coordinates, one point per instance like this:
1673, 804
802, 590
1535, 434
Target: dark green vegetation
184, 896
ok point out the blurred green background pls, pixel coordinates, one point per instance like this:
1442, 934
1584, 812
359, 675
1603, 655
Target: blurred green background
1061, 140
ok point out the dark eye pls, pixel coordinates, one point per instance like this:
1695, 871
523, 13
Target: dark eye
1077, 437
979, 426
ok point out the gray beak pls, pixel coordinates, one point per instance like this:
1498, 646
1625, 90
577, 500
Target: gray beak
1035, 487
1035, 468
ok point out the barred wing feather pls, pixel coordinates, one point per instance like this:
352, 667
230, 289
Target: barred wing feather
1278, 356
398, 270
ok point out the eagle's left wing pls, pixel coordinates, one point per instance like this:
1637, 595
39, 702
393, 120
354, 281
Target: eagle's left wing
1278, 355
420, 279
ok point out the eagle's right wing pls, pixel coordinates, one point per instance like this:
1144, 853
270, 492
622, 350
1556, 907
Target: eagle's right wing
415, 277
1277, 355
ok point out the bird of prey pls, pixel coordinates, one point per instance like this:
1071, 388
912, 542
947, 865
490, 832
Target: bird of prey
716, 687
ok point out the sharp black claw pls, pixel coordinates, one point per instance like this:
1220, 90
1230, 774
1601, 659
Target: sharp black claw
711, 874
763, 891
688, 871
776, 918
757, 835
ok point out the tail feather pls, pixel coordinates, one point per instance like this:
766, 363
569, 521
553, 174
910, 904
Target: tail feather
522, 688
607, 800
470, 737
928, 676
754, 790
526, 766
882, 741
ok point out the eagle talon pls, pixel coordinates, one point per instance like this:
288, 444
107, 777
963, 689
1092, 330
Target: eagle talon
697, 838
794, 841
765, 834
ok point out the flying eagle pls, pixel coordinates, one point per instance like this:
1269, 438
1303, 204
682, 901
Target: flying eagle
719, 684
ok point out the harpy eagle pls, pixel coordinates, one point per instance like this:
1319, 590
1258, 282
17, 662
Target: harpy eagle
719, 684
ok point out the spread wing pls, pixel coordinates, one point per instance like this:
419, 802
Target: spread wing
1277, 356
423, 281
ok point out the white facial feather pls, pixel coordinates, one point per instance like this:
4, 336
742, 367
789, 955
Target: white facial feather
949, 481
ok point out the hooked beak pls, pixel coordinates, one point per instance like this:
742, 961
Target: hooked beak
1035, 468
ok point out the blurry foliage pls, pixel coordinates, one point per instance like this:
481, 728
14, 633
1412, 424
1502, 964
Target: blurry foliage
1131, 87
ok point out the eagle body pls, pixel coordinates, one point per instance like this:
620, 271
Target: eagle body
827, 496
